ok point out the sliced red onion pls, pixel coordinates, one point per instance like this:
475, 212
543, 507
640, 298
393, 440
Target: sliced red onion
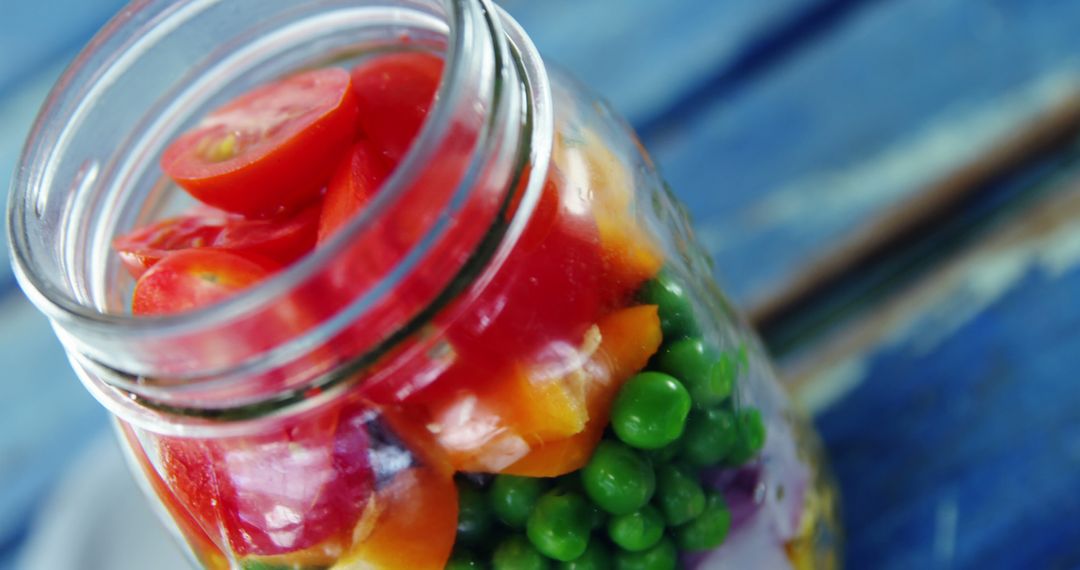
766, 499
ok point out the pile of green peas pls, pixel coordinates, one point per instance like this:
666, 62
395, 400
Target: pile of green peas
639, 500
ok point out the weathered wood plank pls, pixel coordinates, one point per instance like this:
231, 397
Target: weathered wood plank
973, 371
783, 169
646, 56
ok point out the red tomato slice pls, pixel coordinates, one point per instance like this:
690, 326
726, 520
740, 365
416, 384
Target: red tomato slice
191, 278
270, 150
284, 239
395, 92
354, 183
206, 551
302, 487
142, 248
546, 294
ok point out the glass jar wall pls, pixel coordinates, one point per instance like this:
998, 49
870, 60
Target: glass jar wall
512, 356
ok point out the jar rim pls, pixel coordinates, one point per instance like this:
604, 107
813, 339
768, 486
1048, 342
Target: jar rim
60, 305
70, 316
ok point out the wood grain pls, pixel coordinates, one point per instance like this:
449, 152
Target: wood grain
949, 412
786, 169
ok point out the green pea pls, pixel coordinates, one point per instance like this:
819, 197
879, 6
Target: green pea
750, 437
709, 529
618, 479
512, 498
464, 560
474, 515
710, 436
559, 526
571, 483
638, 530
260, 565
679, 494
650, 410
708, 376
263, 565
596, 557
517, 553
676, 311
662, 556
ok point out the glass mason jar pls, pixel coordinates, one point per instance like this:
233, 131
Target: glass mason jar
514, 354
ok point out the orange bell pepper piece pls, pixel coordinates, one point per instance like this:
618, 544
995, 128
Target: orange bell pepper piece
484, 426
409, 523
492, 426
629, 337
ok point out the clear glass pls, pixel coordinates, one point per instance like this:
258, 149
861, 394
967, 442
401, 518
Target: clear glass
544, 321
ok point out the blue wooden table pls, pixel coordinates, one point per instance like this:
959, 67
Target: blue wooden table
890, 187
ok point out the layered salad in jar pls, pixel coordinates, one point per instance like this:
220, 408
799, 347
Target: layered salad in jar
573, 410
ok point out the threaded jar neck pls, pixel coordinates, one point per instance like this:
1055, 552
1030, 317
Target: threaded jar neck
89, 172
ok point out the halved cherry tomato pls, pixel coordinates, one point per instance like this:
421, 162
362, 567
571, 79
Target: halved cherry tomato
192, 278
412, 215
207, 552
526, 324
395, 92
283, 239
144, 247
545, 215
353, 185
270, 150
297, 491
545, 295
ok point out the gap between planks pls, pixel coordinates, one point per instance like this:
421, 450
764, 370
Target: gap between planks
1045, 235
894, 230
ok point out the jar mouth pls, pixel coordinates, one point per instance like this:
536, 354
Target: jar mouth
472, 32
